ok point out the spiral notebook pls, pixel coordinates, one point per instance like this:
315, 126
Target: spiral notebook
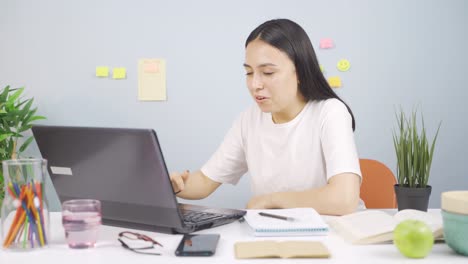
307, 222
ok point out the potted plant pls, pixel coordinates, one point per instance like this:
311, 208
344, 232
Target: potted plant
16, 117
414, 158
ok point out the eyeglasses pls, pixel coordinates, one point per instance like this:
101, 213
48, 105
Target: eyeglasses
136, 236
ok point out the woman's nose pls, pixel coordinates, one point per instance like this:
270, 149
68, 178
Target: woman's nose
257, 82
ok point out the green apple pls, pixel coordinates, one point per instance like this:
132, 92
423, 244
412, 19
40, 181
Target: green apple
413, 238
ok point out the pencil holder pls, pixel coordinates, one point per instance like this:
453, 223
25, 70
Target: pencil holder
24, 213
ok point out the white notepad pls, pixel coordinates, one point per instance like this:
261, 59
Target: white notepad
307, 222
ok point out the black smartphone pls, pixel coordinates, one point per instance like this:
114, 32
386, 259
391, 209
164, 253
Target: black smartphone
197, 245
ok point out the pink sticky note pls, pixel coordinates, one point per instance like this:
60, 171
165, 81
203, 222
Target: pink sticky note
326, 43
151, 67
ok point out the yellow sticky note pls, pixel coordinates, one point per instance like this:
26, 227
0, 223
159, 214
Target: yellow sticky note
102, 71
334, 82
343, 65
152, 80
119, 73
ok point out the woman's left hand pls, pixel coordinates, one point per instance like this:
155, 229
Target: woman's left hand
260, 202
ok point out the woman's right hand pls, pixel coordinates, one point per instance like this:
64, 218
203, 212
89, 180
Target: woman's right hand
178, 180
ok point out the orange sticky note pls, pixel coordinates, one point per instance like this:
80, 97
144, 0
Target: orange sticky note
151, 66
334, 82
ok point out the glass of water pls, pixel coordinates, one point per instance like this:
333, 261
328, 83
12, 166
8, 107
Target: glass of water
81, 220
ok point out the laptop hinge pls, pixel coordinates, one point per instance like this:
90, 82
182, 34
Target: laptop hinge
125, 224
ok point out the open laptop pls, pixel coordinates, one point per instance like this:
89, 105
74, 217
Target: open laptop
125, 169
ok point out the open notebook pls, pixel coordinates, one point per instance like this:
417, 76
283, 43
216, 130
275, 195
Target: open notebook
306, 222
374, 226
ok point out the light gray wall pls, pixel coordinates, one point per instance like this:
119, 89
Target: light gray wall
403, 52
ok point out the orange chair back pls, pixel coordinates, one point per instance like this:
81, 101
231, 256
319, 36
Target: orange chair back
377, 184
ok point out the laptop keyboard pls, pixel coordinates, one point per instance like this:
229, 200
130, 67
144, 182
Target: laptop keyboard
197, 217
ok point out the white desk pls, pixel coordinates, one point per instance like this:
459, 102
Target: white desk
109, 250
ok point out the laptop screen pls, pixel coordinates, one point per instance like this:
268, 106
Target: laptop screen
123, 168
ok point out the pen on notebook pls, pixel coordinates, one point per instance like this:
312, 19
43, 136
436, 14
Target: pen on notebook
286, 218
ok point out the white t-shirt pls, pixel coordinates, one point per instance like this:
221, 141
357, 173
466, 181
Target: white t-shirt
301, 154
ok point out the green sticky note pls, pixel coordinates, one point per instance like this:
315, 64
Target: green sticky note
102, 71
119, 73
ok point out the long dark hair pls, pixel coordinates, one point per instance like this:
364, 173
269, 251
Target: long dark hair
291, 38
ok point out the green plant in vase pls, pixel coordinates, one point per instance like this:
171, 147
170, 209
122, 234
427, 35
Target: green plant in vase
414, 153
16, 116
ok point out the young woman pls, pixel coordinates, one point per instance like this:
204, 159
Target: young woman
296, 141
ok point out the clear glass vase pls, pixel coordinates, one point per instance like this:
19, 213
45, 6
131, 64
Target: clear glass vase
24, 213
